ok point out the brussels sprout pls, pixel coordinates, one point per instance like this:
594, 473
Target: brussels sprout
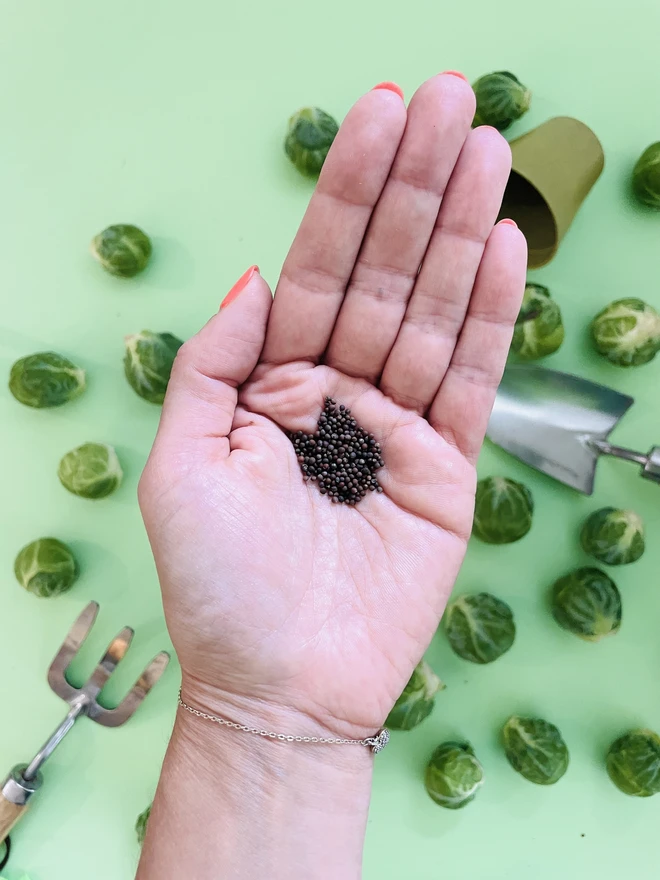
417, 700
141, 824
122, 249
633, 763
627, 332
45, 379
91, 470
453, 775
46, 567
503, 510
148, 363
535, 749
587, 602
613, 536
309, 138
501, 99
646, 177
479, 627
539, 330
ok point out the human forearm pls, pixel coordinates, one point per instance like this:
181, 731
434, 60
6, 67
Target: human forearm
234, 805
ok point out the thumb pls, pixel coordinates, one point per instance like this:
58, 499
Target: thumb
202, 391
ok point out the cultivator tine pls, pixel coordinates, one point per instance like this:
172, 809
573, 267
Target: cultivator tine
25, 779
74, 639
108, 663
116, 717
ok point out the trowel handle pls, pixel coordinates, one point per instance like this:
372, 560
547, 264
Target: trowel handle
14, 797
650, 463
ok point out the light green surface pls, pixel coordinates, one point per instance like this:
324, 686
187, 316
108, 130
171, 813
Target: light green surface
171, 116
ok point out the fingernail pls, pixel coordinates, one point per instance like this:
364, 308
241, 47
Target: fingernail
454, 73
391, 87
240, 285
509, 222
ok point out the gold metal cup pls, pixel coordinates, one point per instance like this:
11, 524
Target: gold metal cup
554, 167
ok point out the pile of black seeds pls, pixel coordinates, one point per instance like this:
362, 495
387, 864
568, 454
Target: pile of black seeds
341, 458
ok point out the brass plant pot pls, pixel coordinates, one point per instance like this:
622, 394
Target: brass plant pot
554, 168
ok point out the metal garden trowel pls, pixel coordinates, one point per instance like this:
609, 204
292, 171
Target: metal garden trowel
559, 424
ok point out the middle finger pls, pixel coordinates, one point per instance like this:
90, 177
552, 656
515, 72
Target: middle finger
434, 317
439, 118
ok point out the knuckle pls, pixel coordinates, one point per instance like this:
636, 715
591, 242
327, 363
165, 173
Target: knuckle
185, 356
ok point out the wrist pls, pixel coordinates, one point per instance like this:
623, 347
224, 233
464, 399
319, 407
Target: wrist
292, 760
281, 713
235, 804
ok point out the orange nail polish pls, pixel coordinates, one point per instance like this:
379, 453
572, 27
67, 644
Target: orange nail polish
390, 86
240, 285
454, 73
509, 222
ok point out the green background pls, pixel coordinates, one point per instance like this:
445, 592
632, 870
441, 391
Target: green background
171, 116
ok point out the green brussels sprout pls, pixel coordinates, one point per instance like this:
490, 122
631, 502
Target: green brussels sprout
501, 99
148, 363
627, 332
479, 627
646, 177
122, 249
503, 510
309, 138
613, 536
633, 763
453, 775
535, 749
539, 330
45, 379
46, 567
417, 700
91, 470
141, 824
587, 602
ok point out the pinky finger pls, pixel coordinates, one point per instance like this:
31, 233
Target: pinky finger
462, 406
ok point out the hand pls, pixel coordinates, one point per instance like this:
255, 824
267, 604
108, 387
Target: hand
398, 299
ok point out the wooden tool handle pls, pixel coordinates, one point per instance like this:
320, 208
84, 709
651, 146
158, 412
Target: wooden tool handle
9, 815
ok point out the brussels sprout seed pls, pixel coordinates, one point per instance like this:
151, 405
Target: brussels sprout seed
341, 458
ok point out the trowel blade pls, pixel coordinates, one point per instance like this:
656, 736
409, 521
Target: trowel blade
547, 418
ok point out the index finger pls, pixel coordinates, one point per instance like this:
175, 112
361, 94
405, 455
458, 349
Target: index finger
318, 267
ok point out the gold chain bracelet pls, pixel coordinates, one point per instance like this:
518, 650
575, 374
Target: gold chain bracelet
376, 743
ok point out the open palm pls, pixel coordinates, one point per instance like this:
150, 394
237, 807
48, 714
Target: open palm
398, 299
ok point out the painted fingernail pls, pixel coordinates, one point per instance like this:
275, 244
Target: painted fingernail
239, 287
454, 73
509, 222
391, 87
